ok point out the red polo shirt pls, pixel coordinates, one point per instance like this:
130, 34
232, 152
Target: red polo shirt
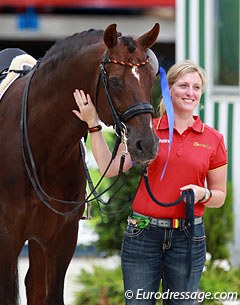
197, 150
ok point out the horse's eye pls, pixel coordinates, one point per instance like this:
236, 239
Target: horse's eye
114, 82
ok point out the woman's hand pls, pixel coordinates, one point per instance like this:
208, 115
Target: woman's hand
101, 152
199, 191
87, 111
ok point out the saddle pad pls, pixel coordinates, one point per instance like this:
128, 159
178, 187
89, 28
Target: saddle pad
6, 57
20, 62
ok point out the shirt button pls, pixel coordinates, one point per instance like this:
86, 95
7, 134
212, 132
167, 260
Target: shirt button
179, 152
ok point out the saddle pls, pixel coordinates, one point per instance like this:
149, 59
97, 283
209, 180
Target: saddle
14, 63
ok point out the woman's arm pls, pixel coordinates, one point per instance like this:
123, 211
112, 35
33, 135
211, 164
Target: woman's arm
101, 152
216, 183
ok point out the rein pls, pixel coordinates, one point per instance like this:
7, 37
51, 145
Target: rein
189, 195
93, 188
189, 221
28, 157
120, 128
121, 131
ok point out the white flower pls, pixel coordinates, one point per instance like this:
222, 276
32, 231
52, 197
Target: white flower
222, 263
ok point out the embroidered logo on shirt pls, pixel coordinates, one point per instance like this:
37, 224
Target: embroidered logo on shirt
202, 145
164, 141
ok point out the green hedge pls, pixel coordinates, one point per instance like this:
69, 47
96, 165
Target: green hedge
104, 286
219, 227
100, 287
219, 279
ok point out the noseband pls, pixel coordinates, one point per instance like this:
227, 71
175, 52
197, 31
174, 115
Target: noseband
121, 118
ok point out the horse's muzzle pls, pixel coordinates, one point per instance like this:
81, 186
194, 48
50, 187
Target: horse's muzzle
143, 149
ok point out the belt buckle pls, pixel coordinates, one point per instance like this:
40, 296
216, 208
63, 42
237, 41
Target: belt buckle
164, 223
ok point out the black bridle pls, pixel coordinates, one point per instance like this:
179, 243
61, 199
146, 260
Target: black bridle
139, 108
119, 120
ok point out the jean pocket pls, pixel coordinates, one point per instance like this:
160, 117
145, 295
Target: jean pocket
132, 230
198, 232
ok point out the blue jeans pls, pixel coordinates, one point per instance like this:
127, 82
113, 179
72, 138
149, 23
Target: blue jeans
154, 255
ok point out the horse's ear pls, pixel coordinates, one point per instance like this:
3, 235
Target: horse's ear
148, 39
110, 36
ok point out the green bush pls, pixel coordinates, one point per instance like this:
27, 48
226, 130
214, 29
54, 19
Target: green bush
105, 287
100, 287
219, 227
217, 279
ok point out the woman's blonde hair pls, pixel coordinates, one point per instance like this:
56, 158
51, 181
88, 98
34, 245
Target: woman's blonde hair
180, 69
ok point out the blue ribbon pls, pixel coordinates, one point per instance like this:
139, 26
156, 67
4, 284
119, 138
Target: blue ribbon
169, 110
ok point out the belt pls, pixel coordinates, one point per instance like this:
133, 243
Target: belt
167, 223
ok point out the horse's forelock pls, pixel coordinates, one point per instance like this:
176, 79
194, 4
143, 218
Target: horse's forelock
129, 42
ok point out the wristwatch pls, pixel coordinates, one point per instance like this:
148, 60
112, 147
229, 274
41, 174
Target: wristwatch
207, 195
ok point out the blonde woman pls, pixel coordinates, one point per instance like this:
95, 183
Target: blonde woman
155, 247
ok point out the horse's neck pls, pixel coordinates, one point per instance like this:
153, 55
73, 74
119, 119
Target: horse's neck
51, 102
81, 71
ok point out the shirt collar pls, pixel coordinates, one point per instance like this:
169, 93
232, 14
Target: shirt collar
198, 125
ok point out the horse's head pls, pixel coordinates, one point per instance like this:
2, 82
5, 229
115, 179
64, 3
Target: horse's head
128, 75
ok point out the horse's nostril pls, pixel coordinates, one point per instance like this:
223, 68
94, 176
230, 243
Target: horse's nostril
145, 150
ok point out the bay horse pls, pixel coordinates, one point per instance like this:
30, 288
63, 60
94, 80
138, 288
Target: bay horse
117, 73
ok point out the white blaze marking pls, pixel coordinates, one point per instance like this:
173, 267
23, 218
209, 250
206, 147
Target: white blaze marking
135, 72
151, 125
